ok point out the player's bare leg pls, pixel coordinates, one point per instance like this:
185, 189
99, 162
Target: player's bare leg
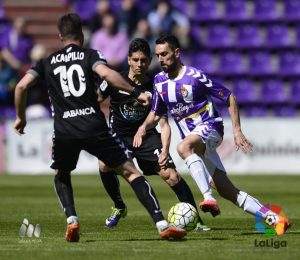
243, 200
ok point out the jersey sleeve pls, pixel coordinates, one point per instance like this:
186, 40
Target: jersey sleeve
104, 89
97, 58
37, 70
214, 88
219, 91
158, 106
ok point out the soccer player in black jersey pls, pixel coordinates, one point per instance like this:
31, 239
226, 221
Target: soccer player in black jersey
79, 124
126, 115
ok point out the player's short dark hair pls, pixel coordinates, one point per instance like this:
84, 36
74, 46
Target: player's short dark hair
139, 44
70, 26
170, 39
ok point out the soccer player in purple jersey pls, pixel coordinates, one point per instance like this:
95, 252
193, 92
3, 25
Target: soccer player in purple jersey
79, 124
186, 93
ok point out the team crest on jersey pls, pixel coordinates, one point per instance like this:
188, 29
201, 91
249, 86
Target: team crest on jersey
187, 93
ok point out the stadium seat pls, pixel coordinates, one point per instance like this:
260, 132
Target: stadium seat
295, 92
291, 10
289, 63
218, 35
266, 10
236, 10
231, 63
273, 92
181, 6
196, 34
255, 111
206, 10
277, 35
245, 92
204, 61
248, 35
298, 35
284, 111
261, 63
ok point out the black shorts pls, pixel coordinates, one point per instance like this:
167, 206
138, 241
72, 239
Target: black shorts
148, 153
109, 149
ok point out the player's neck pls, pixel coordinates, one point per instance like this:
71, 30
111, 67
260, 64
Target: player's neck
179, 69
68, 42
137, 79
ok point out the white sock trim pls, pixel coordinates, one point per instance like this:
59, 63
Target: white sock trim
72, 220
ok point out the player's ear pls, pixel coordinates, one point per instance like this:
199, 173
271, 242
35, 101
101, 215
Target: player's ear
60, 37
128, 60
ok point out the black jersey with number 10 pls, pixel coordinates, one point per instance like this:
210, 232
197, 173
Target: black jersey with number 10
70, 79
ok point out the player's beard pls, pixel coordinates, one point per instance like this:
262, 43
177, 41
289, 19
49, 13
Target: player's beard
170, 68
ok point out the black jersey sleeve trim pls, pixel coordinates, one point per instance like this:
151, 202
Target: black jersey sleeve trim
98, 63
33, 72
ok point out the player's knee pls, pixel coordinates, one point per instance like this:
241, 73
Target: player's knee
128, 171
183, 149
62, 172
103, 167
170, 176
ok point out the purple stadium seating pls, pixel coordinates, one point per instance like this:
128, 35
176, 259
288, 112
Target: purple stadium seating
295, 92
204, 61
236, 10
206, 10
291, 10
266, 10
277, 35
255, 111
218, 35
260, 63
289, 63
248, 35
245, 91
284, 111
273, 92
231, 63
181, 6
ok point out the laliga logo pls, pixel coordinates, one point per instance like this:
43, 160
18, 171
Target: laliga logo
28, 229
260, 221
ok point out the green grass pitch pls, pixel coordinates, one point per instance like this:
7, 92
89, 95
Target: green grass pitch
233, 234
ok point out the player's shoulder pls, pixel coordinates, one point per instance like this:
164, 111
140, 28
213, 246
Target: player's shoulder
193, 72
160, 77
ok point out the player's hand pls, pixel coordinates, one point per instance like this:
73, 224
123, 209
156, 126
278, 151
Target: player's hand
144, 99
241, 142
138, 138
163, 158
19, 125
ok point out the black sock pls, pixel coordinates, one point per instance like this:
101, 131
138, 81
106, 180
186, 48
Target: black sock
64, 191
146, 196
184, 194
112, 186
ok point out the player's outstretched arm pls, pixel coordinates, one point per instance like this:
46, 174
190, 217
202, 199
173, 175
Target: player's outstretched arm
20, 102
241, 142
165, 139
149, 122
115, 80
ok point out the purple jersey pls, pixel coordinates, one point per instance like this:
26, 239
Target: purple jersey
188, 98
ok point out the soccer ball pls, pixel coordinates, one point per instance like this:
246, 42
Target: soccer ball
183, 215
270, 219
